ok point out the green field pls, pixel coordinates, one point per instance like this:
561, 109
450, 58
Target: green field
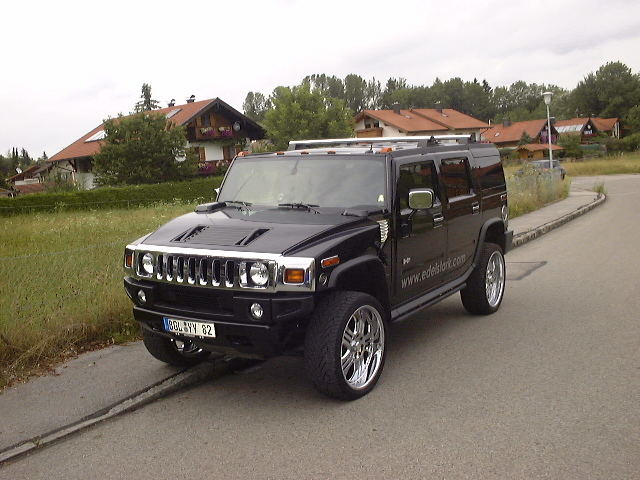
626, 163
61, 282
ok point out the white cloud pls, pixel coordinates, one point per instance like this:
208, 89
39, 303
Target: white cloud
69, 64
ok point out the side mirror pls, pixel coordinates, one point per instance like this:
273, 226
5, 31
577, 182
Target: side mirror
420, 198
217, 190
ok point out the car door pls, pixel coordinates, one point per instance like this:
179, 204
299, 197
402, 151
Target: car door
420, 234
461, 210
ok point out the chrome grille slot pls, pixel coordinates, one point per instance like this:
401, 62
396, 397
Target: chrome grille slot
216, 272
159, 266
204, 269
229, 273
191, 270
168, 267
178, 268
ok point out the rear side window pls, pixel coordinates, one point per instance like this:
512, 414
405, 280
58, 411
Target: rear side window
489, 172
455, 177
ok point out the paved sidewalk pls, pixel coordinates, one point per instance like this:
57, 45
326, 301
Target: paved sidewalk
531, 221
96, 381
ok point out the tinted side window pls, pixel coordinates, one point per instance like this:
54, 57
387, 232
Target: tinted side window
416, 175
455, 177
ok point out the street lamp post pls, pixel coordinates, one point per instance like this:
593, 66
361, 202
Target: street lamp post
547, 101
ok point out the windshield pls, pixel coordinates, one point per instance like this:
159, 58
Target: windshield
324, 181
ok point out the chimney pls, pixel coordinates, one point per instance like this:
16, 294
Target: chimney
506, 122
191, 99
396, 108
172, 103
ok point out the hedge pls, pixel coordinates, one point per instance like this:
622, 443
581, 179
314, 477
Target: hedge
197, 190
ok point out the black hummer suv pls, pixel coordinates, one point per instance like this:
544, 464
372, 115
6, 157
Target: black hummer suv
319, 248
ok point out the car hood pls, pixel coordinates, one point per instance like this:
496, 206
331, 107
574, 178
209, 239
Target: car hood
250, 229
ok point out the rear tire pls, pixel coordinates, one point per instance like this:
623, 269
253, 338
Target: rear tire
173, 352
345, 345
485, 287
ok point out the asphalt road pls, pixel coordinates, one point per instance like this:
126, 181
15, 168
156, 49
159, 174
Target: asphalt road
548, 387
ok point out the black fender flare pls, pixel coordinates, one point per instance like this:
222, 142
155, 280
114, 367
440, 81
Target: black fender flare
368, 267
505, 243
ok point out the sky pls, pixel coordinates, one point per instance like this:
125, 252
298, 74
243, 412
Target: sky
66, 65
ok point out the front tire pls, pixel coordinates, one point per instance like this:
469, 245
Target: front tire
485, 287
174, 352
345, 345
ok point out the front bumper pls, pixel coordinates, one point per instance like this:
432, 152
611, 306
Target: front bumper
237, 332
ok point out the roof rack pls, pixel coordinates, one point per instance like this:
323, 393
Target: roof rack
420, 140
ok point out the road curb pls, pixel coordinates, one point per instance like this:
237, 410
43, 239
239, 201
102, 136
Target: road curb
186, 378
526, 237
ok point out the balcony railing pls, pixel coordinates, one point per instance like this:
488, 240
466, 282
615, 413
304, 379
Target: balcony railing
369, 132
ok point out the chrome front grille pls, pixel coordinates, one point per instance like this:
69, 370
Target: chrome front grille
201, 271
220, 269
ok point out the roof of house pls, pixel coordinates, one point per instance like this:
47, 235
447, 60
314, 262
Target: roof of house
450, 118
572, 125
534, 147
406, 120
424, 119
30, 188
605, 124
24, 174
498, 133
87, 145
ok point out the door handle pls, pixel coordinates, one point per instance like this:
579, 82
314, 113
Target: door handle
438, 219
475, 207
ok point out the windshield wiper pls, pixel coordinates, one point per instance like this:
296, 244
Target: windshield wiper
238, 202
308, 206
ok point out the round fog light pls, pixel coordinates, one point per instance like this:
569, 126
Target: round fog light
142, 296
256, 311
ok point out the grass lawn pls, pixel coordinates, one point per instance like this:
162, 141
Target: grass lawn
61, 282
627, 163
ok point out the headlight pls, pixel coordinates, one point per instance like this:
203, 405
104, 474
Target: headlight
147, 263
259, 273
505, 214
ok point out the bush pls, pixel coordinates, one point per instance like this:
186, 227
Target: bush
197, 190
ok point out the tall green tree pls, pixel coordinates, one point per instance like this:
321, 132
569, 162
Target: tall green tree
632, 119
299, 113
146, 102
255, 106
609, 92
142, 148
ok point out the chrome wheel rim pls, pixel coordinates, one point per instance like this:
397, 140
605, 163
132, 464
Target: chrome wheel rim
186, 347
494, 279
362, 347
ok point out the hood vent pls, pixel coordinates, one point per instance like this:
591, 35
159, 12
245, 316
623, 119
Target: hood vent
223, 236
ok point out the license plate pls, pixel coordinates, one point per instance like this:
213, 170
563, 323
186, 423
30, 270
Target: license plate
187, 327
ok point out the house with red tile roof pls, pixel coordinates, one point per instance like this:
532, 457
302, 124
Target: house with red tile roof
508, 134
536, 151
210, 124
416, 121
610, 126
30, 180
584, 126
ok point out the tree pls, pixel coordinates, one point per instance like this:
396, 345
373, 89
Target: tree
299, 113
255, 106
146, 103
609, 92
632, 119
142, 148
525, 139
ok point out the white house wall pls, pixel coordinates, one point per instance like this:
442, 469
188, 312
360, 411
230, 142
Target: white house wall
212, 151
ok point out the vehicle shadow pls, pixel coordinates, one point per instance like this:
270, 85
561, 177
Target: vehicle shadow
283, 381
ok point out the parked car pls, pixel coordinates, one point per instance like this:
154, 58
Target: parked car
542, 166
317, 250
